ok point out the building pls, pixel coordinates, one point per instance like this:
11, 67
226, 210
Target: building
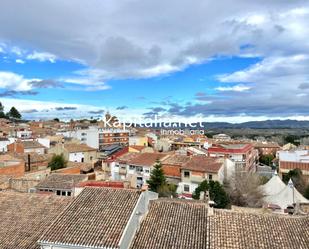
97, 137
109, 220
198, 169
298, 159
75, 152
172, 167
138, 140
244, 155
191, 224
222, 137
35, 161
4, 142
11, 166
267, 148
100, 218
61, 184
138, 165
25, 217
139, 148
27, 146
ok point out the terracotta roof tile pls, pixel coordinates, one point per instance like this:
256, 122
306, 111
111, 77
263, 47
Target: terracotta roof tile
97, 217
61, 181
173, 224
203, 164
78, 148
24, 217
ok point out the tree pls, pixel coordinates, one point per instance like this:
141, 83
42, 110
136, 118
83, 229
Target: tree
306, 194
167, 190
2, 114
14, 113
298, 180
157, 178
243, 189
216, 193
267, 159
56, 120
57, 162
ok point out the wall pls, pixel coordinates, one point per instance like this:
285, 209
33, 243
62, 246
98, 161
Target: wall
15, 170
23, 185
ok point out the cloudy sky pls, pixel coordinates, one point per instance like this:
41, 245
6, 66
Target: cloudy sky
216, 60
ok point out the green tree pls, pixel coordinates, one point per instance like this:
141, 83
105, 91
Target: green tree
2, 114
216, 193
297, 177
167, 190
14, 113
306, 194
57, 162
267, 159
56, 120
157, 178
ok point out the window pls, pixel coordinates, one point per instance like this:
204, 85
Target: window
63, 193
186, 173
186, 188
131, 167
209, 177
58, 192
69, 193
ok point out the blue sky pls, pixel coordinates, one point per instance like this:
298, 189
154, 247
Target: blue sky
210, 61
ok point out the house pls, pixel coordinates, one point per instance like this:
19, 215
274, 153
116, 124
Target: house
298, 159
26, 146
74, 152
98, 137
192, 224
118, 218
4, 142
139, 165
34, 161
24, 218
98, 218
198, 169
222, 137
266, 148
140, 148
244, 155
138, 140
172, 167
11, 166
61, 184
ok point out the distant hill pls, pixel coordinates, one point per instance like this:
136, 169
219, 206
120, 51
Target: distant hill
267, 124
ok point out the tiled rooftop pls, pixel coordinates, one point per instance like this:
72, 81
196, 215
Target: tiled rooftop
187, 225
96, 218
173, 224
203, 164
24, 217
231, 230
146, 159
71, 148
176, 160
61, 181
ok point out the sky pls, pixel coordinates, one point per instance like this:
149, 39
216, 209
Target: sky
223, 60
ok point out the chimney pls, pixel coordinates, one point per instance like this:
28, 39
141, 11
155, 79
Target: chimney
29, 163
205, 197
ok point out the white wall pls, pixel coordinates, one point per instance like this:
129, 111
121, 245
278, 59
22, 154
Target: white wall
76, 157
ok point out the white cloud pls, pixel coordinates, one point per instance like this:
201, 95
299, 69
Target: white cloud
20, 61
236, 88
14, 81
137, 46
42, 56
